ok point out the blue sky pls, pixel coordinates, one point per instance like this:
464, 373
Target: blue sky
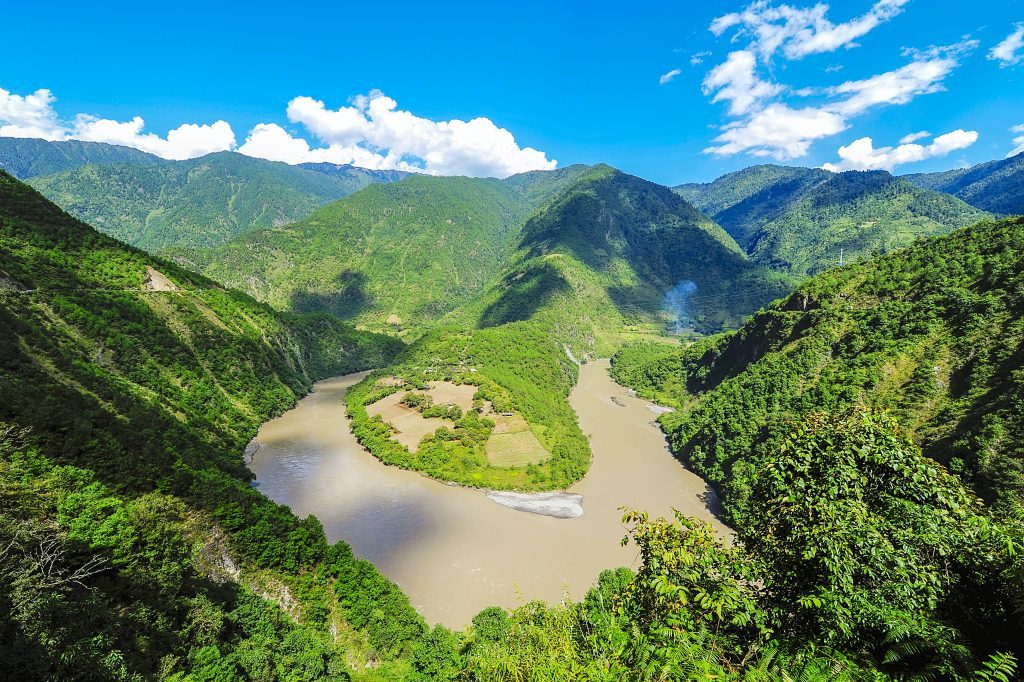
576, 82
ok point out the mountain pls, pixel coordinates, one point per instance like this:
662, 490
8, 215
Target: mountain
200, 202
25, 157
589, 269
802, 220
355, 174
932, 334
613, 252
995, 186
128, 391
393, 256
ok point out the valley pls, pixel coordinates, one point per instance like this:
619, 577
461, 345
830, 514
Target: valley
423, 360
451, 549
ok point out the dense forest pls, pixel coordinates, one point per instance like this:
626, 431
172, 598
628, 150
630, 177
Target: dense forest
203, 202
803, 220
995, 186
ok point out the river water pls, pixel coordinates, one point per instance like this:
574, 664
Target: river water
453, 551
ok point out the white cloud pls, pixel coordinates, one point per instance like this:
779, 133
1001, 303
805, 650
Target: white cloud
768, 127
914, 137
374, 133
862, 155
699, 58
33, 116
1017, 141
799, 32
29, 115
734, 81
1009, 52
187, 141
778, 131
667, 77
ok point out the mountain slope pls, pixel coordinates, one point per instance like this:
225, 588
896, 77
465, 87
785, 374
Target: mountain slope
128, 390
995, 186
356, 177
933, 333
613, 251
25, 157
196, 203
801, 220
395, 256
589, 269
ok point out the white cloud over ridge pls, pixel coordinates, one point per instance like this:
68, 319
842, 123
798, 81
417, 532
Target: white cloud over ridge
1010, 50
372, 133
862, 154
1017, 141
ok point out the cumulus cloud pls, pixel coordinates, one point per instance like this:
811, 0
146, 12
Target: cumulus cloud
373, 132
799, 32
778, 131
187, 141
1009, 51
667, 77
1017, 141
29, 115
862, 154
734, 81
33, 116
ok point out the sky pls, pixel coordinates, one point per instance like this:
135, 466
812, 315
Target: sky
672, 92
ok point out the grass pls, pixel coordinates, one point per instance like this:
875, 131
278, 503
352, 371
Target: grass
513, 444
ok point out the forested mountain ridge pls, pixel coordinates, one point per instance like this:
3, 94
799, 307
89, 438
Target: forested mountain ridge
996, 186
200, 202
933, 333
803, 220
590, 268
25, 157
604, 256
134, 546
392, 257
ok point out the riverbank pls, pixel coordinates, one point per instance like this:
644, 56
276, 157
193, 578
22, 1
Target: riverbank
451, 549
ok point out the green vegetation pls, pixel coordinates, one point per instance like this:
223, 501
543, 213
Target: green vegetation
597, 261
798, 220
393, 257
518, 367
995, 186
25, 157
883, 567
594, 261
932, 333
182, 205
133, 545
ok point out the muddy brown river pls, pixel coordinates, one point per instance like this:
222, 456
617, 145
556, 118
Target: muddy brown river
452, 550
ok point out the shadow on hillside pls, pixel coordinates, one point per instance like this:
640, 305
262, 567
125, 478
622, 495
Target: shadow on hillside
524, 294
348, 299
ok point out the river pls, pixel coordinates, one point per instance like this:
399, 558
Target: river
453, 551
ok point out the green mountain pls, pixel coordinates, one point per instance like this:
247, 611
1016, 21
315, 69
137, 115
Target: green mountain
613, 253
25, 157
801, 220
133, 544
933, 334
393, 256
355, 173
196, 203
995, 186
591, 268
